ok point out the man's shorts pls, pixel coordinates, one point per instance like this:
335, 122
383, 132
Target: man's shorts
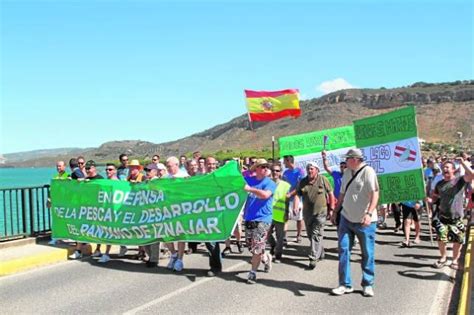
409, 213
449, 230
256, 236
292, 216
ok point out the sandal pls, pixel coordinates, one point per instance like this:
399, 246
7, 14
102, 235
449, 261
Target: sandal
403, 244
440, 264
454, 266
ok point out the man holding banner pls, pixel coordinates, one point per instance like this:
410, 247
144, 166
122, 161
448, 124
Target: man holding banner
357, 202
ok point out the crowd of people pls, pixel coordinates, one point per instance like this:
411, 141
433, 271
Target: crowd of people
279, 192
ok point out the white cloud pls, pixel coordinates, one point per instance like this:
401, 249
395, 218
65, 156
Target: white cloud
334, 85
303, 96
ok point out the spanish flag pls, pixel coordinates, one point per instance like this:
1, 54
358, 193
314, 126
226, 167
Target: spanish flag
272, 105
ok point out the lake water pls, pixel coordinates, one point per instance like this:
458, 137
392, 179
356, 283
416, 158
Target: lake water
29, 177
25, 177
10, 201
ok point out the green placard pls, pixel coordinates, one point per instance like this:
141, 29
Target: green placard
390, 145
202, 208
403, 186
312, 142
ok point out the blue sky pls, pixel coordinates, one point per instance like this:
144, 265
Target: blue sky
81, 73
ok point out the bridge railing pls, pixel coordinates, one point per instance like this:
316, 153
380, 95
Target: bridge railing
24, 212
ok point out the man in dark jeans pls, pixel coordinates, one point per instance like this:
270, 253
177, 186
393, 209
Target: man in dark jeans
317, 198
214, 250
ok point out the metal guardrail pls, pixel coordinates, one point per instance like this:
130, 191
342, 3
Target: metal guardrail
24, 212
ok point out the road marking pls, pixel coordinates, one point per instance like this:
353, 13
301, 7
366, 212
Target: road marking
35, 270
13, 266
464, 306
179, 291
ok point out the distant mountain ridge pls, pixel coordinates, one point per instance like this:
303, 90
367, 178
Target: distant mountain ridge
442, 110
28, 155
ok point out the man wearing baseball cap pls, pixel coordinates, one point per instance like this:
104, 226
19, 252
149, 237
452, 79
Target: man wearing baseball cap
258, 216
152, 250
357, 202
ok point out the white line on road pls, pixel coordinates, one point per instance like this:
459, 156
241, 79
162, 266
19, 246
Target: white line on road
179, 291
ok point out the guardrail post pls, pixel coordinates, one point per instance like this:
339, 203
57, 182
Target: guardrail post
23, 211
32, 213
48, 209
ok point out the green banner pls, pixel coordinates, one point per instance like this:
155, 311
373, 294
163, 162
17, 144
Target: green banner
388, 127
201, 208
390, 145
312, 142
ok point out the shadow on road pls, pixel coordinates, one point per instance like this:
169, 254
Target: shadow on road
420, 257
297, 288
426, 275
401, 263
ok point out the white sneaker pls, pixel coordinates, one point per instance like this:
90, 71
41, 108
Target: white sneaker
178, 265
96, 253
105, 258
368, 291
123, 251
172, 261
76, 255
340, 290
53, 242
252, 278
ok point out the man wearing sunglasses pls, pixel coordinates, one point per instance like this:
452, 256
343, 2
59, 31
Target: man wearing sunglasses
357, 202
82, 165
122, 171
258, 216
280, 214
152, 250
155, 159
293, 175
91, 175
75, 170
111, 173
318, 199
91, 171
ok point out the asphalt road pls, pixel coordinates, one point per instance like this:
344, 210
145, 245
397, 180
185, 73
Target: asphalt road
405, 284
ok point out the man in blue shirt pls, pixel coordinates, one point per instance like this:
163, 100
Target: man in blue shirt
293, 175
258, 216
336, 175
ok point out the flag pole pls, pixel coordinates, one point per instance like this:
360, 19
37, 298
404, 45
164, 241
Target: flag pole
273, 149
430, 216
248, 113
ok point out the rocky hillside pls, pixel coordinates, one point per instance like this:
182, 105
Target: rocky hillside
442, 110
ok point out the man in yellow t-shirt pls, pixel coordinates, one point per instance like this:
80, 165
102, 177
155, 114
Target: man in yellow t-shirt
280, 214
62, 174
